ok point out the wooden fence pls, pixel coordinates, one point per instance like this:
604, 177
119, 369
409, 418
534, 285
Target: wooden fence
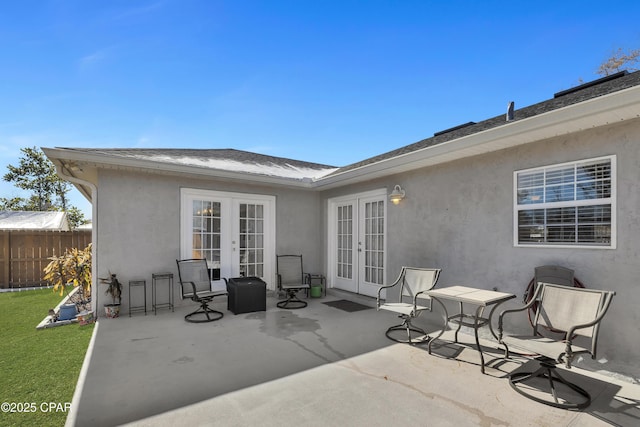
24, 254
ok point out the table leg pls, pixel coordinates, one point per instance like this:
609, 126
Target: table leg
479, 312
459, 323
491, 317
444, 326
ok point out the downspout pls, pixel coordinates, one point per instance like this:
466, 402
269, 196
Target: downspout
94, 231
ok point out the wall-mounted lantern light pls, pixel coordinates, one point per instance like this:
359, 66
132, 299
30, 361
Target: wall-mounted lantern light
396, 195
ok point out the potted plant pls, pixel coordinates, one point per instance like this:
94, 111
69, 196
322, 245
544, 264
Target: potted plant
114, 289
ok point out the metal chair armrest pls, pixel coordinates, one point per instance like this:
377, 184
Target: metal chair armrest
415, 301
515, 310
380, 291
505, 312
194, 295
386, 287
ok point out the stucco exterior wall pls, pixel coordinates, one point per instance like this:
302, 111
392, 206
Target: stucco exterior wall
458, 216
139, 224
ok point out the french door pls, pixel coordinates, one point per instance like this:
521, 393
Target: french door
234, 232
357, 242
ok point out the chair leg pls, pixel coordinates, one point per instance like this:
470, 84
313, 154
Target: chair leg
548, 371
209, 314
408, 327
292, 302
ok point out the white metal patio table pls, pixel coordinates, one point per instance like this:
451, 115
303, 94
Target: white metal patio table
480, 298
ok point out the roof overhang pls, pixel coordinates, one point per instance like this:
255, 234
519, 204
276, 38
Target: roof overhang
70, 159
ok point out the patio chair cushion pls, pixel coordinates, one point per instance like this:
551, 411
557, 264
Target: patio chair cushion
544, 346
403, 308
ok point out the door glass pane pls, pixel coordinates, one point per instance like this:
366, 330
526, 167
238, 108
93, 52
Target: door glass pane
251, 239
344, 241
374, 242
206, 234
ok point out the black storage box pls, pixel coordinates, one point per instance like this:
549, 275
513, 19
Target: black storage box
246, 295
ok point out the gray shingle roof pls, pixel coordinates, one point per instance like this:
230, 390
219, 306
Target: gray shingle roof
594, 89
213, 153
249, 163
220, 159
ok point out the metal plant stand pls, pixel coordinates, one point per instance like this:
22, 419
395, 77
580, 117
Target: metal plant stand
161, 277
138, 284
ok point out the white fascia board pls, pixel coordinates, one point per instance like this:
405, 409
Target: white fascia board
596, 112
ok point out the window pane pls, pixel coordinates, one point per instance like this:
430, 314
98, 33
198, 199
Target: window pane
530, 187
559, 176
531, 234
597, 214
531, 217
559, 193
593, 171
596, 234
530, 179
197, 207
531, 195
561, 234
561, 216
593, 190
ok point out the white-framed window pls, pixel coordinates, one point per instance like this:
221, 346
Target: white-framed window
566, 205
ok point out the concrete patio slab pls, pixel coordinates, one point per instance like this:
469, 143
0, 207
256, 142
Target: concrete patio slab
318, 366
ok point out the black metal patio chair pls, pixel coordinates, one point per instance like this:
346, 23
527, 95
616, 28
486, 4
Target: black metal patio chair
195, 282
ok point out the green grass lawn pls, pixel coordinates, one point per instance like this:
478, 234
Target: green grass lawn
38, 368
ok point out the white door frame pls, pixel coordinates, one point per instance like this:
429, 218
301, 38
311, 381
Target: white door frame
231, 201
355, 199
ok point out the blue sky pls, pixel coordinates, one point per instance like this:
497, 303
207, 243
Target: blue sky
331, 82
